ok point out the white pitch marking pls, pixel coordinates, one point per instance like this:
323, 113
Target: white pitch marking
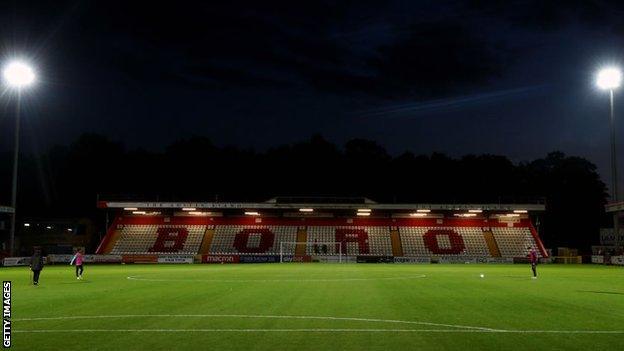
368, 320
138, 278
459, 328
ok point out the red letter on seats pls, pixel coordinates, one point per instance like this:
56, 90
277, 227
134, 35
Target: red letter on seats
170, 240
242, 240
456, 240
344, 236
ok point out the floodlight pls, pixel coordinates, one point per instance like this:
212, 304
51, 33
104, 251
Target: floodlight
609, 78
18, 74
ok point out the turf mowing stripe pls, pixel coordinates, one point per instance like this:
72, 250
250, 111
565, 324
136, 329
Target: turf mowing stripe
322, 330
138, 278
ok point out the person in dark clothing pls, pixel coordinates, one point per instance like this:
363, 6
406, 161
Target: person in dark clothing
36, 265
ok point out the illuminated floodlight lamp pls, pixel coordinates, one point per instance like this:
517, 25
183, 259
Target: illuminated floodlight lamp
308, 210
364, 210
418, 214
475, 211
423, 211
252, 213
130, 208
520, 211
138, 212
363, 214
18, 74
609, 78
465, 214
198, 213
189, 209
26, 224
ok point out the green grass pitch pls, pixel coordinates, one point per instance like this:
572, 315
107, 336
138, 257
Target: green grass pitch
319, 307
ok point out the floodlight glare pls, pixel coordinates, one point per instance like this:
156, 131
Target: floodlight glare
609, 78
18, 74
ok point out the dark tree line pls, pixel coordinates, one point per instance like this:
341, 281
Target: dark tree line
66, 180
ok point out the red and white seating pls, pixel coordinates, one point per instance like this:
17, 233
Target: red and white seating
443, 238
514, 241
351, 240
252, 239
159, 239
443, 241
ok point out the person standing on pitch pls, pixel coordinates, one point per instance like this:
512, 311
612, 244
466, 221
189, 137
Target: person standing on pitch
36, 265
533, 260
78, 258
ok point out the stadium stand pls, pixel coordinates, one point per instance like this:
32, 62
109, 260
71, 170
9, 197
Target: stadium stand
245, 240
513, 242
159, 239
442, 238
458, 241
355, 240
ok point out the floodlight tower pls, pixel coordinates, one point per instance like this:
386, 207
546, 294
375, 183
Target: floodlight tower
17, 76
610, 79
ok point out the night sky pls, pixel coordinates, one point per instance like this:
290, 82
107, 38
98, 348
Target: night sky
512, 78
